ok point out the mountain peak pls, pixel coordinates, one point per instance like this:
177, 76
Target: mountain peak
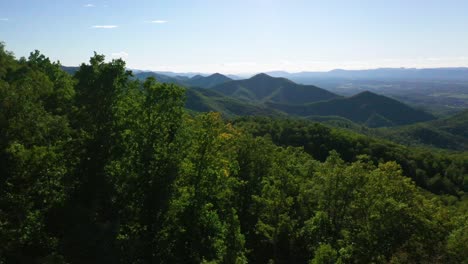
263, 87
208, 81
366, 94
218, 75
198, 76
262, 76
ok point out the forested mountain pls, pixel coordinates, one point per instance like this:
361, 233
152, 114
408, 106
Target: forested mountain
263, 88
100, 167
365, 108
451, 133
456, 125
206, 100
286, 96
445, 133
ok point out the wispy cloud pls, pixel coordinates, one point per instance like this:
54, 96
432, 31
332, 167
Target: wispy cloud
105, 26
122, 55
158, 21
3, 19
89, 5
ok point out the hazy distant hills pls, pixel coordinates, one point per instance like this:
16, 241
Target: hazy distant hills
208, 81
176, 79
184, 79
379, 74
194, 81
70, 69
454, 73
263, 88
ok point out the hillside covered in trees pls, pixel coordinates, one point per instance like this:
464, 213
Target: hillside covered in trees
451, 132
100, 167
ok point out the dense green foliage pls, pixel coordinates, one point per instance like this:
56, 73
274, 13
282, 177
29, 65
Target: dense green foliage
435, 170
102, 168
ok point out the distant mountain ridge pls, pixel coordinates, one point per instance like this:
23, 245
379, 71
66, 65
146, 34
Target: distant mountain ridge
194, 81
183, 79
448, 73
455, 73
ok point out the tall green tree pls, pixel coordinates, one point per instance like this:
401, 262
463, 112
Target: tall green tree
147, 155
90, 212
33, 138
202, 223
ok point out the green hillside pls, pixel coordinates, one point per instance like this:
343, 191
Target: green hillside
205, 100
263, 88
365, 108
455, 125
450, 133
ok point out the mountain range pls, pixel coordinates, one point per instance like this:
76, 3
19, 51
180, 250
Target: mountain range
263, 94
305, 77
365, 112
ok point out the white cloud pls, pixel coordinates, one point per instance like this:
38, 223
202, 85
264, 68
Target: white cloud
89, 5
3, 19
158, 21
105, 26
122, 55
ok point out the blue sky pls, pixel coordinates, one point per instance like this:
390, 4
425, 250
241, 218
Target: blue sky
240, 36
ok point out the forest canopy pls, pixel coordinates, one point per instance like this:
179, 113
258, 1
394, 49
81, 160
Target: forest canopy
99, 167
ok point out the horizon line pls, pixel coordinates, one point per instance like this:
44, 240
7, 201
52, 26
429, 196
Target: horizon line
292, 72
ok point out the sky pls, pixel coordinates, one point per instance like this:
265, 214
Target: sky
241, 36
